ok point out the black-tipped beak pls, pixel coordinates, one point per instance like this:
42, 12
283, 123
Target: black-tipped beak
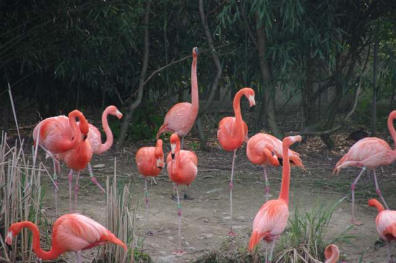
85, 137
159, 167
173, 156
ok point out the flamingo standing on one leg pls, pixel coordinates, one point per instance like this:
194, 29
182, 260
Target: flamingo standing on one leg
233, 132
369, 153
332, 254
95, 138
57, 135
182, 169
386, 224
271, 219
77, 158
265, 149
181, 117
70, 232
150, 161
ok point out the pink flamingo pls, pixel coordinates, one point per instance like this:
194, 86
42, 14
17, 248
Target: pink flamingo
332, 254
271, 219
78, 157
181, 117
71, 232
386, 224
232, 132
369, 153
149, 161
182, 169
95, 138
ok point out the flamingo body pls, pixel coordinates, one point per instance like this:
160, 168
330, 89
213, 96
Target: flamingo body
150, 160
261, 151
70, 232
181, 117
77, 158
228, 138
186, 170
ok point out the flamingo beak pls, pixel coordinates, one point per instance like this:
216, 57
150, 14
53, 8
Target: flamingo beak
173, 150
8, 238
84, 137
119, 114
252, 102
160, 163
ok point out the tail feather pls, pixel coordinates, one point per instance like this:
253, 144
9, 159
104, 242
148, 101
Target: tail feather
254, 240
113, 239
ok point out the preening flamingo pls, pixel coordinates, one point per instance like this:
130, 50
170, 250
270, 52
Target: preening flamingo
181, 117
386, 224
70, 232
232, 132
332, 254
266, 150
78, 157
95, 138
182, 169
150, 161
369, 153
271, 219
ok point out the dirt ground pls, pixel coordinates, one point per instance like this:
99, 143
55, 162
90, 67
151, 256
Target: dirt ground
205, 221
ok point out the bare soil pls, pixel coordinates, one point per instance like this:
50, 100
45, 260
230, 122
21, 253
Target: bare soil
205, 221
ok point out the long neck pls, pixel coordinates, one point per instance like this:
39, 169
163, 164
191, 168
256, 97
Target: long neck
236, 104
194, 85
76, 130
378, 205
284, 192
109, 135
46, 255
391, 128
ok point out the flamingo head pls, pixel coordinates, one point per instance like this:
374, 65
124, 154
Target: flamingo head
249, 93
83, 123
159, 154
195, 52
12, 232
175, 141
113, 110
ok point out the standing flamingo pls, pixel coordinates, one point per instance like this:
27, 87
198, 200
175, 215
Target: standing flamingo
95, 138
182, 169
77, 158
265, 149
71, 232
332, 254
233, 132
386, 224
150, 161
369, 153
271, 219
181, 117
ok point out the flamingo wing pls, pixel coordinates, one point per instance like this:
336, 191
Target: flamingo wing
178, 119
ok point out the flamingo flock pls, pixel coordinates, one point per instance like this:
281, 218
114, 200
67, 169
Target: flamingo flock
72, 140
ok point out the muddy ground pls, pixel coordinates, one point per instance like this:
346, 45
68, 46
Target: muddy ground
206, 217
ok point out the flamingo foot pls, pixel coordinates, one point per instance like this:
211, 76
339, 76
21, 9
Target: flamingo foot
232, 233
179, 252
93, 179
356, 222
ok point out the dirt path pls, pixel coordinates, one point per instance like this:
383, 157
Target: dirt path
206, 217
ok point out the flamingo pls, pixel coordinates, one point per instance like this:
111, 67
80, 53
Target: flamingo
182, 169
181, 117
150, 161
271, 219
265, 149
70, 232
332, 254
78, 157
95, 138
369, 153
386, 224
233, 132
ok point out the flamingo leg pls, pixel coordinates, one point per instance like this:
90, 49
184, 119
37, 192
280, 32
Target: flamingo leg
78, 257
232, 233
93, 178
266, 251
271, 245
182, 143
76, 189
56, 167
354, 221
378, 190
70, 177
146, 201
179, 214
388, 246
267, 185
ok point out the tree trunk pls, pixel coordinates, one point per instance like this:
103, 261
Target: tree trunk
268, 88
136, 103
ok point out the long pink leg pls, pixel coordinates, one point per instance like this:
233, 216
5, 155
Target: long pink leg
179, 250
388, 246
93, 178
56, 169
272, 245
267, 185
70, 177
232, 233
76, 189
146, 201
354, 221
78, 257
378, 190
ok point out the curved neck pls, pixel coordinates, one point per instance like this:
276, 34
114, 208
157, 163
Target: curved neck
391, 128
176, 161
76, 130
109, 135
236, 104
46, 255
284, 192
377, 205
194, 85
